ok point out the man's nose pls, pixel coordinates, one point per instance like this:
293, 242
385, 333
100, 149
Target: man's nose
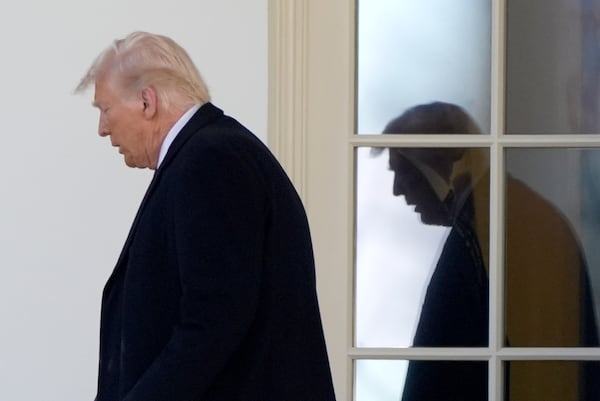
102, 130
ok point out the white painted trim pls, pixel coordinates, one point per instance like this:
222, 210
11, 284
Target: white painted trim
288, 26
307, 124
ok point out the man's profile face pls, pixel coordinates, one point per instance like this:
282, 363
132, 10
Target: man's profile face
122, 119
417, 191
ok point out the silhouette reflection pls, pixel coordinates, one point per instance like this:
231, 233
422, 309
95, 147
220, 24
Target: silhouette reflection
450, 187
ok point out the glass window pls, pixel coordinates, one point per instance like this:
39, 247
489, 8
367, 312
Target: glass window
424, 219
553, 380
388, 380
417, 52
552, 235
422, 247
552, 67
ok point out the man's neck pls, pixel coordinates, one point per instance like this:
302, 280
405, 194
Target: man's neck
175, 124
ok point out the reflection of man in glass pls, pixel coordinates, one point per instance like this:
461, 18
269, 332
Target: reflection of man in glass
437, 181
450, 187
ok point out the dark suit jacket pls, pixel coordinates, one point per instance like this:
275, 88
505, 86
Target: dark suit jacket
213, 296
454, 314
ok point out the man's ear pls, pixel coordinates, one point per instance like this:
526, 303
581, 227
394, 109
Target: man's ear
150, 102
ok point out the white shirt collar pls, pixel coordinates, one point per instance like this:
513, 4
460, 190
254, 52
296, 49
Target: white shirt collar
174, 131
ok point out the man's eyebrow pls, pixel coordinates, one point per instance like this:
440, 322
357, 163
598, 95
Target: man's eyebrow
95, 104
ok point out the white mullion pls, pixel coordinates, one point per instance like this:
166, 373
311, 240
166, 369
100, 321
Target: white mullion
496, 379
497, 111
429, 140
422, 353
498, 64
453, 140
550, 140
496, 248
352, 52
351, 304
549, 354
474, 353
496, 267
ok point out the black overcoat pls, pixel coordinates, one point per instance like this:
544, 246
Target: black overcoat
213, 296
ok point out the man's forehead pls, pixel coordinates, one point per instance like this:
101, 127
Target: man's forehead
100, 93
96, 102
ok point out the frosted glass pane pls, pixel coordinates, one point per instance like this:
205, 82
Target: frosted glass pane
552, 276
413, 51
390, 380
552, 67
553, 380
421, 254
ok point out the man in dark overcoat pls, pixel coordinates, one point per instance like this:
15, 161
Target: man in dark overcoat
213, 296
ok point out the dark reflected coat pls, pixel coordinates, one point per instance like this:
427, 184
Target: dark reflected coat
543, 257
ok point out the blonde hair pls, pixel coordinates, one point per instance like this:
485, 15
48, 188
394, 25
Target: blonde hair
144, 59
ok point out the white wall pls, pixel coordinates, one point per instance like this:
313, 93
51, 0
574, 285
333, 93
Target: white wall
67, 199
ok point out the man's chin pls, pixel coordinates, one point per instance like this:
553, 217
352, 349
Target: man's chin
129, 162
133, 164
432, 220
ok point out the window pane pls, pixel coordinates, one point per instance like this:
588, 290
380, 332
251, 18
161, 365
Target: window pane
422, 240
553, 380
413, 52
552, 67
383, 380
552, 277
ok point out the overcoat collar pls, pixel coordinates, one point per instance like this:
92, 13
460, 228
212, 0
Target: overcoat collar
204, 116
